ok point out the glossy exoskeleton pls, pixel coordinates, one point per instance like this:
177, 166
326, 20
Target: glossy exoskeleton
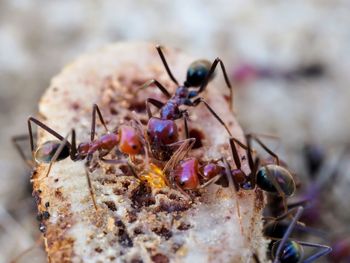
272, 178
162, 131
126, 138
285, 250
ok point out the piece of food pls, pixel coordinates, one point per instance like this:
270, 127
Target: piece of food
136, 221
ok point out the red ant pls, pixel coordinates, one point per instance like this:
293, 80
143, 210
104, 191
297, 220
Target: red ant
162, 131
126, 138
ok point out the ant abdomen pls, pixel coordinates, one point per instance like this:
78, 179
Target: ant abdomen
197, 72
162, 131
282, 177
187, 174
45, 152
292, 252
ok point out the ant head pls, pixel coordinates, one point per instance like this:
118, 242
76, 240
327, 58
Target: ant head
291, 252
186, 174
129, 140
45, 152
269, 175
197, 73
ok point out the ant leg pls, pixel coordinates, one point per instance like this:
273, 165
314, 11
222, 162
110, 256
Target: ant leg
210, 74
232, 183
186, 117
88, 178
211, 181
15, 140
162, 57
199, 100
57, 153
235, 154
95, 109
155, 103
265, 147
288, 232
324, 251
43, 126
158, 85
184, 147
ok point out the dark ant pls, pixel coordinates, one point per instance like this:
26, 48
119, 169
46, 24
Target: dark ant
162, 131
270, 177
286, 250
126, 138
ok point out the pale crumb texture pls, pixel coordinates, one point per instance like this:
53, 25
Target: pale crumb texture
135, 223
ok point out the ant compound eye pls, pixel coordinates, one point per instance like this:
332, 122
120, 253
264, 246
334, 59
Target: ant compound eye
197, 72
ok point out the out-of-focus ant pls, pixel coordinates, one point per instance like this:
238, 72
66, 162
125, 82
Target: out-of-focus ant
126, 138
270, 177
162, 131
287, 250
246, 72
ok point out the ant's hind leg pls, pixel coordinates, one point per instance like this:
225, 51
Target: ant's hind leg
155, 103
201, 100
210, 74
15, 140
267, 149
95, 109
165, 63
324, 250
158, 85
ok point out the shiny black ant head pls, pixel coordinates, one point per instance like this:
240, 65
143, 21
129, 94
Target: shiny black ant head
197, 73
45, 152
292, 252
270, 174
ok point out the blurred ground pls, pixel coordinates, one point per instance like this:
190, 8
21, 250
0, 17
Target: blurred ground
37, 38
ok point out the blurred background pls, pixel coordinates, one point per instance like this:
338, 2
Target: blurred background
289, 61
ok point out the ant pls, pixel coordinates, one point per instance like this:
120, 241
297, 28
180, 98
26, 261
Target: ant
288, 250
269, 177
162, 131
184, 174
126, 138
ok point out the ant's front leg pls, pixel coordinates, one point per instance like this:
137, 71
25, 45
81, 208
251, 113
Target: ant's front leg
15, 140
95, 109
201, 100
210, 75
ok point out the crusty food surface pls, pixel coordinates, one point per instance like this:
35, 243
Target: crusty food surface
135, 222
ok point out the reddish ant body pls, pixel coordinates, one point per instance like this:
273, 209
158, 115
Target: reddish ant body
126, 138
162, 131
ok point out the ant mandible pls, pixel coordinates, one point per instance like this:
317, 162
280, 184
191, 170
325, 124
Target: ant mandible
272, 178
126, 138
162, 131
